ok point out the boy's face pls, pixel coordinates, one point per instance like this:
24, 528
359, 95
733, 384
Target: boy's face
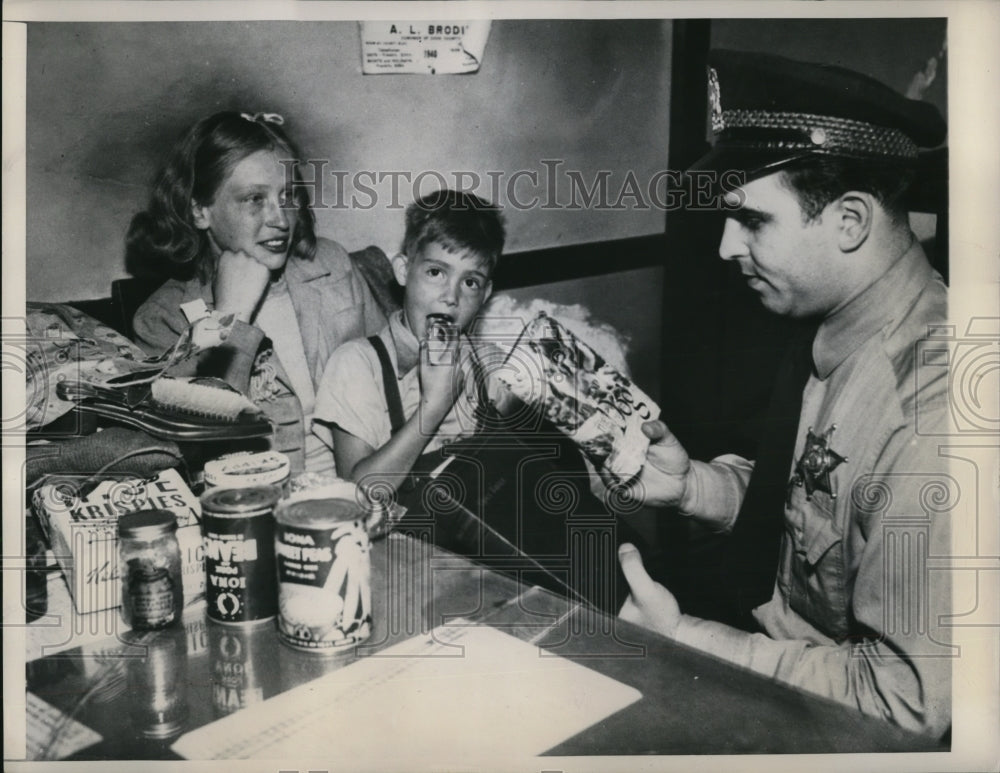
441, 282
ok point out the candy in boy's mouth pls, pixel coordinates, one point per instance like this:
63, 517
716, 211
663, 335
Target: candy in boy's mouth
440, 327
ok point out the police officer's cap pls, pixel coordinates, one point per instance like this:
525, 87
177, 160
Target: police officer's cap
769, 112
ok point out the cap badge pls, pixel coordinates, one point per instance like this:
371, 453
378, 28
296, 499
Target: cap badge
715, 100
818, 460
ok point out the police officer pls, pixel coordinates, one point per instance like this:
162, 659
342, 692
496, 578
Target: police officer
832, 525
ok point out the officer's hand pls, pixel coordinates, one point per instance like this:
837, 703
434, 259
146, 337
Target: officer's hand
649, 604
239, 284
663, 478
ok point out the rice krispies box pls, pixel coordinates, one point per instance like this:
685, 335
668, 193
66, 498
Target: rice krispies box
600, 409
80, 519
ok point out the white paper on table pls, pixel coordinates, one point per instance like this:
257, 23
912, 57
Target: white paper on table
52, 735
460, 694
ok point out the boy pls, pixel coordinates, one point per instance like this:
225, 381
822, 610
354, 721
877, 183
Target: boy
451, 246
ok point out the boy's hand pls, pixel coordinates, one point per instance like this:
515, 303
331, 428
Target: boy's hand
438, 366
240, 282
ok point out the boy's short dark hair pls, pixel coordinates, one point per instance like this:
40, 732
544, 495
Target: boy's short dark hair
458, 221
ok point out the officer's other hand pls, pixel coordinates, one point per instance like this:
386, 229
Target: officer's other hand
663, 478
649, 604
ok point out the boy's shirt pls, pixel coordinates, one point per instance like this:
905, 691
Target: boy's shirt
352, 396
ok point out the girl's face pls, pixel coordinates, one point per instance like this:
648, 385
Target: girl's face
253, 212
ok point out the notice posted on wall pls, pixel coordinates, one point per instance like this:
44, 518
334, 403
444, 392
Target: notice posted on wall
427, 47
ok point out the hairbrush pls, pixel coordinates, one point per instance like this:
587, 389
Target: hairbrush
175, 409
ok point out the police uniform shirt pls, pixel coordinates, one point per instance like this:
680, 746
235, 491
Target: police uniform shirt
855, 611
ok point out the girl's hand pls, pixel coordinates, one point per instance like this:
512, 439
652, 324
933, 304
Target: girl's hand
240, 282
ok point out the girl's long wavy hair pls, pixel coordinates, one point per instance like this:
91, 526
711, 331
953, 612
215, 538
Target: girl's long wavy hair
164, 234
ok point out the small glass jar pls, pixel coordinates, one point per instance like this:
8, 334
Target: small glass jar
150, 565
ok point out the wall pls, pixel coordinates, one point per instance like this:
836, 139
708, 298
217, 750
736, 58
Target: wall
106, 101
631, 300
719, 346
889, 50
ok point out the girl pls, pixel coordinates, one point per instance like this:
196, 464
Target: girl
227, 216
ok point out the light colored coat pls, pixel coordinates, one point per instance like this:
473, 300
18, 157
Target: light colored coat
332, 302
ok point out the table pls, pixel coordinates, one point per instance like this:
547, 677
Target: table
692, 703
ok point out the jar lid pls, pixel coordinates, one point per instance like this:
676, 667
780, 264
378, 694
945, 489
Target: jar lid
247, 468
167, 721
163, 731
318, 512
239, 501
147, 524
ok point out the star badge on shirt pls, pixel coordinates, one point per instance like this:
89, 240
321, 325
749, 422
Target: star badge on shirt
818, 460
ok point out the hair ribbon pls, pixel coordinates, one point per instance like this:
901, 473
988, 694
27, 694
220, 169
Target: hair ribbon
275, 118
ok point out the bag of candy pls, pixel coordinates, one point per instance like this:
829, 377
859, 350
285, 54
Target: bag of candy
601, 410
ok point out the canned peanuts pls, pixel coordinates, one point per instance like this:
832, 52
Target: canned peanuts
248, 468
324, 574
238, 528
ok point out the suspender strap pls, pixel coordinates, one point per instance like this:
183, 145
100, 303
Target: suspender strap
485, 412
396, 418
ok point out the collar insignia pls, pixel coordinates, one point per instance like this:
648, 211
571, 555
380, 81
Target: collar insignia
818, 460
715, 101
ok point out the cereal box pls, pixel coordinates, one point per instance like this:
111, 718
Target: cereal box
600, 409
80, 518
